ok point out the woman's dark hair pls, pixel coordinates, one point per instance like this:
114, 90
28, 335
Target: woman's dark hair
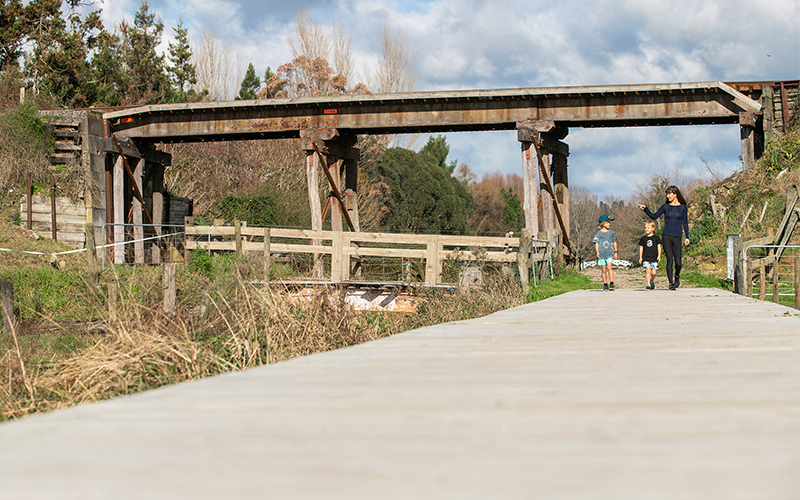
674, 189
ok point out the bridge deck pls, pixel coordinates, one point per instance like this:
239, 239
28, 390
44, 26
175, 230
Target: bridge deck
444, 111
693, 394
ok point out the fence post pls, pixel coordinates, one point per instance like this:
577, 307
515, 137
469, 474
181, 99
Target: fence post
775, 277
91, 255
187, 254
267, 253
7, 291
762, 281
432, 260
237, 234
169, 287
30, 202
797, 283
524, 259
111, 301
736, 261
336, 257
53, 207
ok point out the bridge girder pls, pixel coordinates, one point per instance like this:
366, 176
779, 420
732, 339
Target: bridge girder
606, 106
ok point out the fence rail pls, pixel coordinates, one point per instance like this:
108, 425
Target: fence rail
346, 250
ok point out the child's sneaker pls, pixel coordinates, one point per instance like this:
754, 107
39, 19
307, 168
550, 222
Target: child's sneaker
652, 285
605, 287
648, 287
611, 286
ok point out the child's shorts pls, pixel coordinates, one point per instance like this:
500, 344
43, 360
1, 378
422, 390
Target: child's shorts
651, 265
603, 262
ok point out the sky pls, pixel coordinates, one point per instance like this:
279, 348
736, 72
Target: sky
472, 44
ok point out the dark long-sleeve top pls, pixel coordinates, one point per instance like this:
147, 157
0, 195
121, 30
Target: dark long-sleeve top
675, 216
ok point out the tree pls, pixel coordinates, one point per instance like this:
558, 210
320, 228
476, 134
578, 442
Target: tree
396, 68
250, 84
148, 80
59, 60
584, 210
423, 197
219, 69
490, 205
513, 217
183, 72
108, 78
14, 28
438, 148
307, 77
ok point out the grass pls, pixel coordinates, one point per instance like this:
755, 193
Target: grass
222, 323
567, 281
702, 280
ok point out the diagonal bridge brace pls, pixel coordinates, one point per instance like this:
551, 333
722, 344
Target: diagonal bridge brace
549, 189
334, 188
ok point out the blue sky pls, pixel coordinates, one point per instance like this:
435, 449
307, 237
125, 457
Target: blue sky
472, 44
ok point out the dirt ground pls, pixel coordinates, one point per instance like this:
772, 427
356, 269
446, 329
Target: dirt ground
629, 278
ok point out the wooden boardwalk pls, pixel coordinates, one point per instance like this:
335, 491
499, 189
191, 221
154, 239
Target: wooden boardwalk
693, 394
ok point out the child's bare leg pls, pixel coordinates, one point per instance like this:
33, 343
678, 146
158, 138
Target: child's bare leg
610, 273
603, 273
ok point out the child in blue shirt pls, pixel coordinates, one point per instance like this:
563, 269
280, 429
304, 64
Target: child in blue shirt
605, 245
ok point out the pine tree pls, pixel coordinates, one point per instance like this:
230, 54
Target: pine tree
58, 62
108, 82
250, 85
439, 149
183, 72
14, 27
149, 82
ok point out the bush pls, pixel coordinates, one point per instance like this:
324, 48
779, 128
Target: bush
257, 210
25, 142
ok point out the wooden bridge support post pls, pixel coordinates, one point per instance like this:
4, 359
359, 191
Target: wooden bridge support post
312, 176
747, 125
548, 214
119, 212
530, 187
158, 211
561, 188
334, 165
136, 209
351, 188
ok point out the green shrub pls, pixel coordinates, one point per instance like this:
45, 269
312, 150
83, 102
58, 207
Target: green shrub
257, 210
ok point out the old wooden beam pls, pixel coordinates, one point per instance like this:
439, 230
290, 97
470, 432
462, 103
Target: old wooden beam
618, 105
132, 150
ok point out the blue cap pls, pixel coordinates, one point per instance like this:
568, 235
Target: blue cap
604, 218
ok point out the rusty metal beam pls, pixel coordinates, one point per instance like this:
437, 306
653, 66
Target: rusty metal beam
608, 106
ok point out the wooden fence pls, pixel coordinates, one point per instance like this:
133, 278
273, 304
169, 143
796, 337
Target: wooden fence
61, 219
347, 248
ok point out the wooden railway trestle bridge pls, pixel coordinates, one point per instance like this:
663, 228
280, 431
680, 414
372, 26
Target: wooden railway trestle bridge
328, 127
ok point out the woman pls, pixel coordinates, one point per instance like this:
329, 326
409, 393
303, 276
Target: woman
676, 218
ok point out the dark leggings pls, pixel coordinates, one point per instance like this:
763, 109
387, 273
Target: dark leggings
672, 250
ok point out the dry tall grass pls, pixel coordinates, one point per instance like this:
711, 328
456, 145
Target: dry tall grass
143, 348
